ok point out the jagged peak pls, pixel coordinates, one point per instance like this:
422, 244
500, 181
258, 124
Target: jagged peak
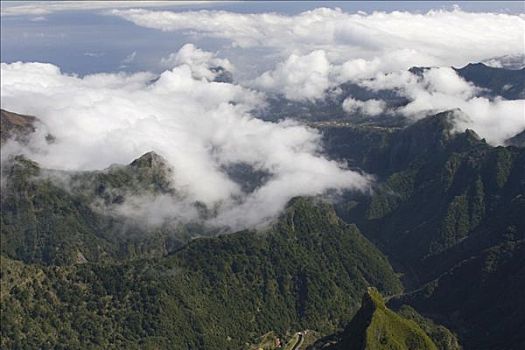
442, 122
419, 70
475, 65
428, 136
471, 134
154, 171
441, 130
149, 160
375, 326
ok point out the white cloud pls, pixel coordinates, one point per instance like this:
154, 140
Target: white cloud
199, 126
445, 80
346, 36
152, 210
324, 47
200, 62
307, 77
370, 107
202, 126
26, 8
299, 77
442, 89
507, 61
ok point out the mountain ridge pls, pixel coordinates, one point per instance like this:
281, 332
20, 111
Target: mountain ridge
375, 326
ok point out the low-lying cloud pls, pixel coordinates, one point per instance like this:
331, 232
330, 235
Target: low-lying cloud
199, 126
370, 107
200, 62
440, 89
298, 77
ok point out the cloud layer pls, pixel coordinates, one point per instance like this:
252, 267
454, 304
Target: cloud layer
346, 36
370, 107
299, 77
40, 8
440, 89
318, 49
201, 127
201, 63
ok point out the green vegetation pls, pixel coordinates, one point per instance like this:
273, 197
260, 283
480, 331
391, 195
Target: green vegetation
443, 338
54, 218
308, 271
376, 327
438, 189
448, 209
508, 83
268, 341
494, 303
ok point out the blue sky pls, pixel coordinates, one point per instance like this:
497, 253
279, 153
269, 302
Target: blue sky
88, 41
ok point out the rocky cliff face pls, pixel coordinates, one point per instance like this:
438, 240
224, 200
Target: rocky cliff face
15, 126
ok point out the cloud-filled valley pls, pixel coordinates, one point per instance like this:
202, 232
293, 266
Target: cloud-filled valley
262, 175
198, 125
203, 125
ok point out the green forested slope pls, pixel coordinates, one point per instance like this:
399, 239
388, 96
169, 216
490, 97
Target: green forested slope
58, 218
481, 298
449, 210
376, 327
308, 271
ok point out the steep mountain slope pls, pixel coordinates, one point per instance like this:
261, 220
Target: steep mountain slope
508, 83
15, 126
76, 274
517, 140
376, 327
436, 187
215, 293
448, 211
481, 297
51, 217
442, 337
